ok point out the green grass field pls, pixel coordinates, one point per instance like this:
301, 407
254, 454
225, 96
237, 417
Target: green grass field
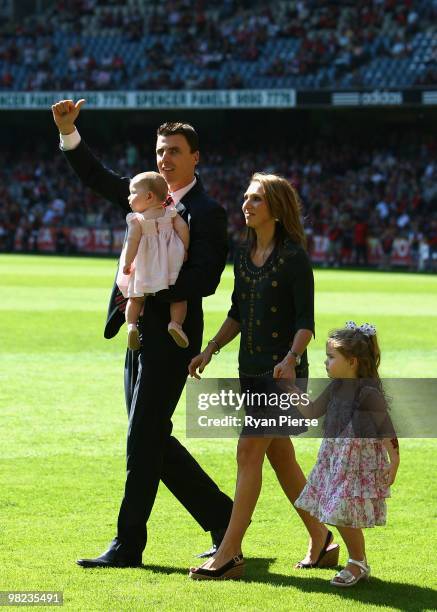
62, 440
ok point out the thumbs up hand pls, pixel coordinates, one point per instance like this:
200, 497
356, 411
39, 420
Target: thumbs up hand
65, 113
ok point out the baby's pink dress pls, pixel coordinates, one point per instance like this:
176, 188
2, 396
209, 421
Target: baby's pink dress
159, 257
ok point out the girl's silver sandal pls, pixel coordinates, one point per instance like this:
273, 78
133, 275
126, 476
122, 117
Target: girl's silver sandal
347, 579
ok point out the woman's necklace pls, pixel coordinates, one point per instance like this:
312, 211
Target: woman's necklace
262, 256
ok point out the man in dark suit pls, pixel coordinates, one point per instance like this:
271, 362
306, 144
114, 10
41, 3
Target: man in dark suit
156, 374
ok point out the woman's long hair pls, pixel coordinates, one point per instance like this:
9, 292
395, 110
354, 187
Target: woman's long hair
285, 207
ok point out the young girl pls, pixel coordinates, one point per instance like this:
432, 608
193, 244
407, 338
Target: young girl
350, 481
155, 249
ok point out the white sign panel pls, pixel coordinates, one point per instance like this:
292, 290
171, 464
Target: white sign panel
115, 100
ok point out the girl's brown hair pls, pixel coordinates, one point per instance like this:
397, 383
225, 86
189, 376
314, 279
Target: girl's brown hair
354, 343
284, 205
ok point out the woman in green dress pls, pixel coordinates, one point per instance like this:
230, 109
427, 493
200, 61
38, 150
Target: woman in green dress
273, 310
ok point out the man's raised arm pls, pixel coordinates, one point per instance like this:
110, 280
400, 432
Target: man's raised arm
88, 168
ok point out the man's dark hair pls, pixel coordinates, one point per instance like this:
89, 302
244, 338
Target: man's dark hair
170, 129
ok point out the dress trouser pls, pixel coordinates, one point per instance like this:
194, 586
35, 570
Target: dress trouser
152, 392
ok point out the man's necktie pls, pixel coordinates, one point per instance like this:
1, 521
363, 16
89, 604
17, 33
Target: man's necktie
182, 210
168, 201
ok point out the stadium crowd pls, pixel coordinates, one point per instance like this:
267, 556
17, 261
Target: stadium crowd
216, 41
349, 195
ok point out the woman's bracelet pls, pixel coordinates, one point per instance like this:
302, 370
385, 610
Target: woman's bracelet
217, 345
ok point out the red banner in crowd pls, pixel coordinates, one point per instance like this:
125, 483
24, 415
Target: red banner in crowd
400, 254
72, 240
110, 242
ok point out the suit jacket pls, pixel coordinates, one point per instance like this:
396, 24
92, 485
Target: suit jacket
200, 274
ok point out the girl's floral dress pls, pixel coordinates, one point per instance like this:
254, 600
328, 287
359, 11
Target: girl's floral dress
347, 486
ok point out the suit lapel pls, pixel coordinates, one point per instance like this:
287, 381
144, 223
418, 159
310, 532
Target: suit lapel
187, 206
189, 201
180, 207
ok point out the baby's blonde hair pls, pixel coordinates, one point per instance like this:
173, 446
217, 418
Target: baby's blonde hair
152, 181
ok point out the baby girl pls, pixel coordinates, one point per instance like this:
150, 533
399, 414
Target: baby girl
155, 249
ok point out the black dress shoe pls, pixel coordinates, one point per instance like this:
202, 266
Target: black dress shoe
217, 536
110, 558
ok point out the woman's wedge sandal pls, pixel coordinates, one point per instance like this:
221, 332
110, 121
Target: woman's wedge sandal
345, 578
328, 556
233, 569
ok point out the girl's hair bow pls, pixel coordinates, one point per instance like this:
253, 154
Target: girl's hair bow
366, 328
